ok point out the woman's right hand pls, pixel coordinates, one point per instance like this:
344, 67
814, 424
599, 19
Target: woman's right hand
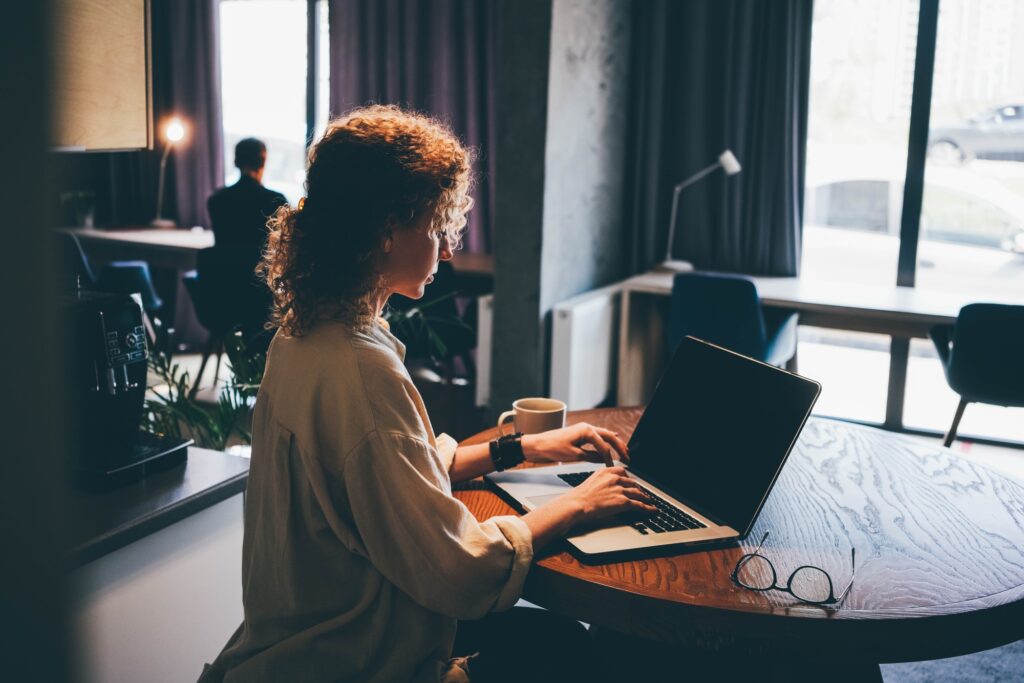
610, 491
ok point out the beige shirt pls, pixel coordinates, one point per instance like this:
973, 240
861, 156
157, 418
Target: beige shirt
357, 560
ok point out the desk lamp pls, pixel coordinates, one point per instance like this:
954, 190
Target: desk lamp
174, 132
731, 166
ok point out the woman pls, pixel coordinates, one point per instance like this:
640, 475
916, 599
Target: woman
357, 559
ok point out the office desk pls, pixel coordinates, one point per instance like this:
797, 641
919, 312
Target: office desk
172, 249
940, 557
177, 249
901, 312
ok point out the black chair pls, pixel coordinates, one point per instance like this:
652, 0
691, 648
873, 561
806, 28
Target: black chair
983, 357
131, 277
726, 310
72, 264
227, 294
119, 277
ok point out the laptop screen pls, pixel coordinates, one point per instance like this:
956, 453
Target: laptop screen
718, 429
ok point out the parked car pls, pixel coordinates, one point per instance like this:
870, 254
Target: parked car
994, 134
957, 208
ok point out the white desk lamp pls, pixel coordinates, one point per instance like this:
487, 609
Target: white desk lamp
173, 132
731, 166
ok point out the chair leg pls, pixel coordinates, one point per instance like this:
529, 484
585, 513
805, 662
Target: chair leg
951, 434
216, 372
212, 342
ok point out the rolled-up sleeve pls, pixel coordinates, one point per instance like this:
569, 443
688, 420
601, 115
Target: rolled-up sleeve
424, 540
446, 446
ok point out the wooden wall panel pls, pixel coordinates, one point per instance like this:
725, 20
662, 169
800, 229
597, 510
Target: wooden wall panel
102, 75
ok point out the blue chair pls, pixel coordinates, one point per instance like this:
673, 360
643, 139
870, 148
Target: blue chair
726, 310
983, 357
130, 277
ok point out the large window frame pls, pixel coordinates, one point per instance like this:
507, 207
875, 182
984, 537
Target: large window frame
910, 219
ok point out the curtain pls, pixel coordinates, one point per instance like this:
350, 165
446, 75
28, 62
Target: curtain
435, 56
186, 83
711, 75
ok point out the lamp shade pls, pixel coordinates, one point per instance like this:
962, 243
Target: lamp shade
729, 163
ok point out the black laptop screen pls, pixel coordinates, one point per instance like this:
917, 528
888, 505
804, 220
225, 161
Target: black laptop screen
718, 430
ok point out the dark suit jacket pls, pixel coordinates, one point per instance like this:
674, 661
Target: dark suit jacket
239, 213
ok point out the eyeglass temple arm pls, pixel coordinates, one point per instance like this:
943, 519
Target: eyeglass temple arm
853, 565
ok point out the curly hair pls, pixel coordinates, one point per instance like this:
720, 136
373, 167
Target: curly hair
375, 169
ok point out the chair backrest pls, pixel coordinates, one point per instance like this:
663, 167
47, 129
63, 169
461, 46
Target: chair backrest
722, 309
227, 292
986, 362
72, 262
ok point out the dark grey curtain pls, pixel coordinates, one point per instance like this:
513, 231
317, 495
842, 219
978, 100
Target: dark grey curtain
186, 82
711, 75
435, 56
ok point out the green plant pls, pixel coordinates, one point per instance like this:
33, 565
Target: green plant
171, 408
418, 329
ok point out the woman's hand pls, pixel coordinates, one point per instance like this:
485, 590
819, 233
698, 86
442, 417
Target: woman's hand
578, 442
608, 492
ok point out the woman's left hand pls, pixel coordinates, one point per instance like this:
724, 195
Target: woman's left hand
568, 444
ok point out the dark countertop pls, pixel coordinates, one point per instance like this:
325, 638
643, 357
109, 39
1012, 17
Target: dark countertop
108, 519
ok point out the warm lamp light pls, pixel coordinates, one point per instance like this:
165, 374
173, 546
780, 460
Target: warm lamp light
174, 132
728, 163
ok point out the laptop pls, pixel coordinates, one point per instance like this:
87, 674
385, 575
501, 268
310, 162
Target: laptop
708, 448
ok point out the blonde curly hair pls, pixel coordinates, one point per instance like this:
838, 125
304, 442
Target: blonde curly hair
375, 169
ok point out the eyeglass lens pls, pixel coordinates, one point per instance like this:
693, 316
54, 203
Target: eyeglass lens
809, 584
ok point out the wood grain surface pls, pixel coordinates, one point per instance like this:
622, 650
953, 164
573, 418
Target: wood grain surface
940, 555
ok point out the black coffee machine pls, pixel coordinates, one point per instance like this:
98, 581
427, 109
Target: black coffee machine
107, 358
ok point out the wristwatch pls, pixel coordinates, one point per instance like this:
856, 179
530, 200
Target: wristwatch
507, 451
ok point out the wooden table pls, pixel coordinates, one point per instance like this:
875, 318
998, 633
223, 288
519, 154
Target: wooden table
940, 557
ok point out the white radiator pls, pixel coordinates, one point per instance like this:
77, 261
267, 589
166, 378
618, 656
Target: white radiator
584, 343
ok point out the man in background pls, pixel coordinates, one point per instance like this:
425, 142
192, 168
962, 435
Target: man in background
239, 213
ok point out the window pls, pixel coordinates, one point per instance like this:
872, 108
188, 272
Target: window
862, 74
970, 230
263, 85
861, 85
972, 219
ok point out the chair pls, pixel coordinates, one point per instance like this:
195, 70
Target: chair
131, 277
983, 357
72, 263
726, 310
227, 294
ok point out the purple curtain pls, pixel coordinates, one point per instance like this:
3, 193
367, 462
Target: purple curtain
186, 83
194, 74
435, 56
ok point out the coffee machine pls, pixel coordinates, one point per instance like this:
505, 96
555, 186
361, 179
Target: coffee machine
107, 356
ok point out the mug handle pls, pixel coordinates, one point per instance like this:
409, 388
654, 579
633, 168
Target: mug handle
501, 421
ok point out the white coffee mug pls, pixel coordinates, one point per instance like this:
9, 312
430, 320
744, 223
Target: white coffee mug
533, 415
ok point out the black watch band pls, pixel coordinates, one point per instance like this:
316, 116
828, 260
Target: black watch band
507, 451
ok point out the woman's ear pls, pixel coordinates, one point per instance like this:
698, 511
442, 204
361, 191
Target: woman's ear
387, 244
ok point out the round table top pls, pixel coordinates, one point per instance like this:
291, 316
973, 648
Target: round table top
939, 540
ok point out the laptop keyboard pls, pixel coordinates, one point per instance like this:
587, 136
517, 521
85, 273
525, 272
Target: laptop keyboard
668, 517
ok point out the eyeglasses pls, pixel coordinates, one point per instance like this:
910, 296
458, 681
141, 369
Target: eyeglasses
807, 583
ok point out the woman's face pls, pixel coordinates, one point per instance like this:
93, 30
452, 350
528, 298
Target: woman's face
410, 260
